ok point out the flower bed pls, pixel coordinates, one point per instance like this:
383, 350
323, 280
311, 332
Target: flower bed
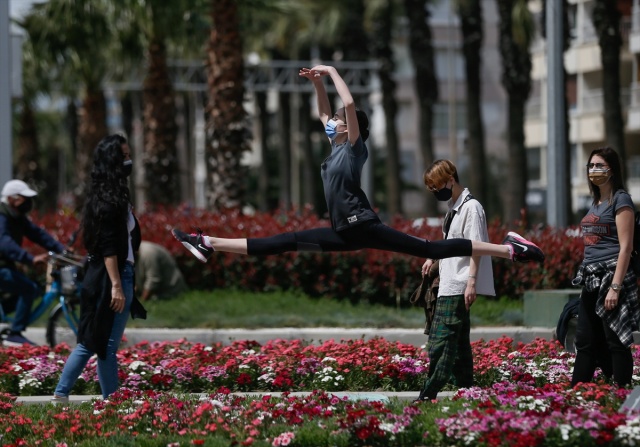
368, 275
522, 398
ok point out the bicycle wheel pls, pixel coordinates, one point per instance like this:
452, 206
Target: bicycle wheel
61, 327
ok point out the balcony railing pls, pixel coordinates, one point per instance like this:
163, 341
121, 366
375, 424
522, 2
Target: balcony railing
593, 100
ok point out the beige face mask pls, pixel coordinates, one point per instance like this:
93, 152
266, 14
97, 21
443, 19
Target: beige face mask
599, 176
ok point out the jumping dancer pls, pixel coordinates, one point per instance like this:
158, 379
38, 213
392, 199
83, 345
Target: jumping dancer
354, 224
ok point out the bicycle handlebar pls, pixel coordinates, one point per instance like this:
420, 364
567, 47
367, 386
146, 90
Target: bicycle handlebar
67, 258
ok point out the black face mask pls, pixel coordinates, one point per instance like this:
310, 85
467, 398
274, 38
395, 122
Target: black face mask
444, 194
127, 167
25, 206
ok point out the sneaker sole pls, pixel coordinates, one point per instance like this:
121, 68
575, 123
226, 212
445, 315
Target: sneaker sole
191, 248
539, 258
194, 251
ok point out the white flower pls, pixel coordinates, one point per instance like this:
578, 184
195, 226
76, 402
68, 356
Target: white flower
137, 364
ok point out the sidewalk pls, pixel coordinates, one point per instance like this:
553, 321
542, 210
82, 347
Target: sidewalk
413, 337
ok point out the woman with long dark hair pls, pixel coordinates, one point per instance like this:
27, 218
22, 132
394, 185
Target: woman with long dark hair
609, 310
111, 236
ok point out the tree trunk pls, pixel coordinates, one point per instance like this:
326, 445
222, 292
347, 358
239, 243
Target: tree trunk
160, 129
309, 165
516, 184
284, 158
92, 128
606, 19
384, 54
262, 198
227, 128
516, 79
426, 84
470, 13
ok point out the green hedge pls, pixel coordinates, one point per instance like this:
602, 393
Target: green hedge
368, 275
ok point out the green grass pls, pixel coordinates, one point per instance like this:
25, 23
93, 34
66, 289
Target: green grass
239, 309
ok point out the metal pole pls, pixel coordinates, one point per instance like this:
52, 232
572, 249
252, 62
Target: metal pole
556, 155
6, 147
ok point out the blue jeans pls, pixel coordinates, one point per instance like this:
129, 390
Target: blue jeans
107, 368
23, 291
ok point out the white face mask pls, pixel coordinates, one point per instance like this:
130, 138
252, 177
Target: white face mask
599, 176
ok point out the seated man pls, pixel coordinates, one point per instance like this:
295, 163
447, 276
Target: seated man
157, 274
15, 203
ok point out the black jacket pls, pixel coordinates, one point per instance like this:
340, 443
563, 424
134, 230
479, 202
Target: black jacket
96, 317
15, 227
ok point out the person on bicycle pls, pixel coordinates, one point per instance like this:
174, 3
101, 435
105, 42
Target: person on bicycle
15, 203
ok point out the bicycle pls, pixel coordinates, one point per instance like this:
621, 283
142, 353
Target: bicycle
64, 282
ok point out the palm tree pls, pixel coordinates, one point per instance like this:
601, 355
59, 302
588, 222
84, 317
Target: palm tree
381, 37
606, 18
227, 129
516, 33
470, 13
426, 83
76, 37
27, 163
154, 28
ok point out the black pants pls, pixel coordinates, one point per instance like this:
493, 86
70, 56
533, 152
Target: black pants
597, 345
372, 234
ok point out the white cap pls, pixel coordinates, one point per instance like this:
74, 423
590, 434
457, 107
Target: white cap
17, 187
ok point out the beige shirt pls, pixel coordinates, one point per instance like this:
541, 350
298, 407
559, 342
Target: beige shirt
157, 271
469, 222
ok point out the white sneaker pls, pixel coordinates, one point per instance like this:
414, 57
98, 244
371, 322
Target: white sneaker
59, 399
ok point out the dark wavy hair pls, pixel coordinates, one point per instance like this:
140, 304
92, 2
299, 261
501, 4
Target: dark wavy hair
617, 182
363, 124
108, 190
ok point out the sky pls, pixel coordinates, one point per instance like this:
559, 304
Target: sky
17, 8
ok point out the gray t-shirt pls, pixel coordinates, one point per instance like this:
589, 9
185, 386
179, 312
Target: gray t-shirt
599, 231
341, 174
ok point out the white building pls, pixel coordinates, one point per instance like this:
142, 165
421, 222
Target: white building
584, 84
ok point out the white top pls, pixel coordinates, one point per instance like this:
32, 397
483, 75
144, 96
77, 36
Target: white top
469, 222
131, 224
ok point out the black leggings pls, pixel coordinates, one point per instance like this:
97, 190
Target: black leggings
597, 345
371, 234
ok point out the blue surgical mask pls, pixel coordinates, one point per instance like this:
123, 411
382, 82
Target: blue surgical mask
330, 129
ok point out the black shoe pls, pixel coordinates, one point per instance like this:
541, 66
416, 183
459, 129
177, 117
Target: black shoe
17, 339
522, 249
194, 243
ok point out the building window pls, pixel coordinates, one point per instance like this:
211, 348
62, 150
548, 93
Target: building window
634, 167
441, 118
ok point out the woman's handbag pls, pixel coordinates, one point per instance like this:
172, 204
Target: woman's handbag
426, 295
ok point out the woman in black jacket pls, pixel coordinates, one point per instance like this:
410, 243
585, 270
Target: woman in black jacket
111, 236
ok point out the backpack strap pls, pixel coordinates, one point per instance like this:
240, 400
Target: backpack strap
449, 217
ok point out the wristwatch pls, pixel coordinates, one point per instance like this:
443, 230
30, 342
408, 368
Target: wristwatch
616, 287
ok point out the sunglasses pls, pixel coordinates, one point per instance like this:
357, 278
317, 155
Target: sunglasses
597, 165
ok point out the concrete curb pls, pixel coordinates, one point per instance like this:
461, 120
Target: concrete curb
414, 337
403, 396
